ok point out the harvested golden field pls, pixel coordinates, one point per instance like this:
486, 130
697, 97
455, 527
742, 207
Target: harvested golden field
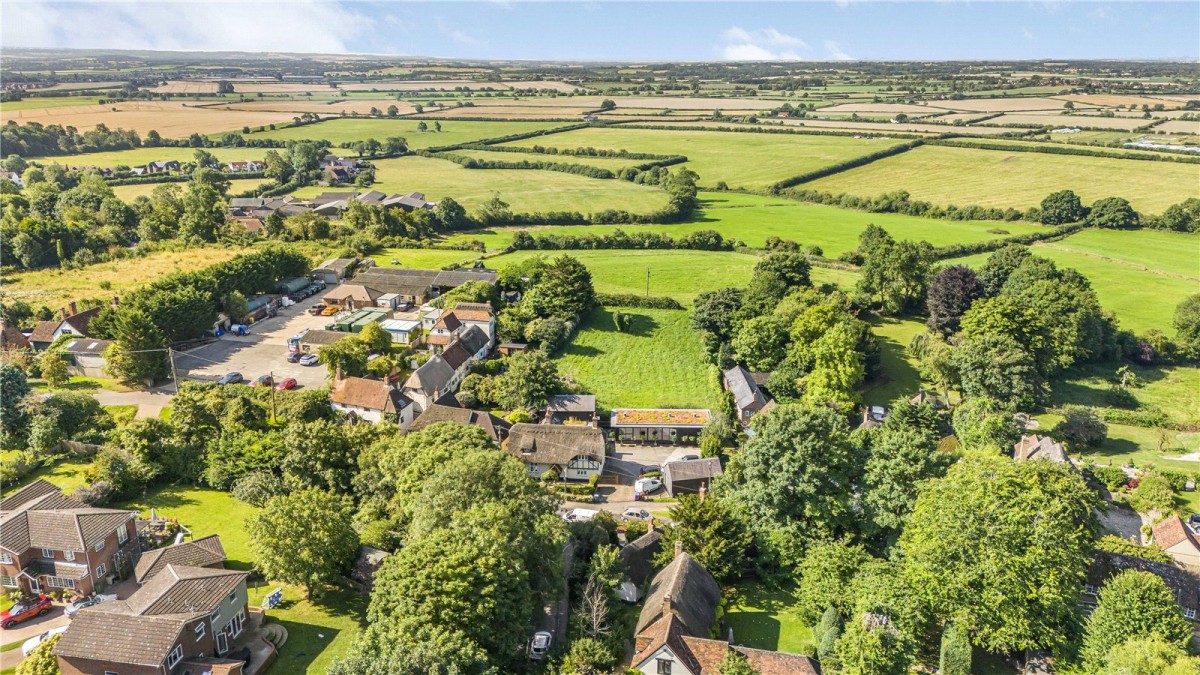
424, 85
55, 288
1004, 104
171, 119
236, 186
511, 113
356, 105
1034, 120
886, 127
1110, 99
141, 156
1180, 127
886, 108
193, 87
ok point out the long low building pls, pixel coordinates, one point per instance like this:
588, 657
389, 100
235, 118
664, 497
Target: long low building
653, 425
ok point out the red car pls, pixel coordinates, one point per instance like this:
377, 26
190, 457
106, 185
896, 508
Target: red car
287, 383
24, 610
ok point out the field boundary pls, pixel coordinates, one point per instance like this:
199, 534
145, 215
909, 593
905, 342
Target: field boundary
1018, 146
843, 166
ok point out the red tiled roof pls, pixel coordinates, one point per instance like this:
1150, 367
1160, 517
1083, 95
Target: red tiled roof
1172, 531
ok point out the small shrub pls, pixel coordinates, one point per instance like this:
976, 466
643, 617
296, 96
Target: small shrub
1081, 427
1111, 476
635, 529
98, 493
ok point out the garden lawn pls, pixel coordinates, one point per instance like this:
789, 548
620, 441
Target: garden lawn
900, 376
963, 176
751, 160
79, 383
237, 186
421, 258
67, 474
764, 618
319, 631
203, 511
525, 190
1143, 293
753, 218
142, 156
1175, 390
674, 273
54, 288
453, 132
658, 363
1136, 446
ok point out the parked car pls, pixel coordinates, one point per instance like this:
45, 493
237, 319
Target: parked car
317, 309
647, 485
294, 357
636, 513
94, 599
689, 458
230, 378
286, 383
649, 468
33, 642
329, 311
309, 360
540, 644
24, 610
263, 381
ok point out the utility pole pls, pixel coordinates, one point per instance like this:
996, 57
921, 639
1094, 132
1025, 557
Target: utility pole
647, 282
174, 376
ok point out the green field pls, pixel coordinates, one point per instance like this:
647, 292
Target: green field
677, 274
421, 258
1139, 275
963, 176
525, 190
1175, 390
658, 363
453, 131
613, 164
764, 618
130, 192
740, 159
35, 103
142, 156
753, 218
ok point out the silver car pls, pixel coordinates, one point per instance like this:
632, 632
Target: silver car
540, 644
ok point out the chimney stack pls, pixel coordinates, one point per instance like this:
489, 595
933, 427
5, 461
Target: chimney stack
337, 376
73, 310
650, 524
63, 313
678, 548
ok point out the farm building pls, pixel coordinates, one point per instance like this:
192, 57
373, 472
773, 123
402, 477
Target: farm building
690, 476
653, 425
571, 409
312, 340
574, 452
388, 301
404, 331
333, 271
351, 296
355, 321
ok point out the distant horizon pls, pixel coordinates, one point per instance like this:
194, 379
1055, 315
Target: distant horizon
607, 31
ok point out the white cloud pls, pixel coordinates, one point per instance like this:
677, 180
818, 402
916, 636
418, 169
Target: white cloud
272, 26
767, 44
834, 52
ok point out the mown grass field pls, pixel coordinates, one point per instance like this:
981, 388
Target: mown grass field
753, 218
130, 192
348, 130
963, 176
1175, 390
613, 164
658, 363
525, 190
677, 274
1140, 275
143, 156
740, 159
54, 288
421, 258
49, 102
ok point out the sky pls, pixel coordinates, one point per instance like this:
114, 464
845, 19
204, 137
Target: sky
616, 30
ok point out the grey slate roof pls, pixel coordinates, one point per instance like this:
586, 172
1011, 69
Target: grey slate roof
745, 392
201, 552
693, 592
554, 443
572, 403
704, 468
55, 521
181, 589
141, 640
29, 493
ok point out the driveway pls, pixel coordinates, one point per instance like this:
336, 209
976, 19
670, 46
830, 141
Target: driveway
28, 629
263, 351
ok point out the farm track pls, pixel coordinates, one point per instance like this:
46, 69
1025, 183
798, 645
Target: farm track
1118, 261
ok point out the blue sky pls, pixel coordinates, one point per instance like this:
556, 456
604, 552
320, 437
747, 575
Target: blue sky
606, 30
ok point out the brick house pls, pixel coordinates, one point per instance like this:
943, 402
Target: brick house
49, 542
372, 400
181, 615
1180, 540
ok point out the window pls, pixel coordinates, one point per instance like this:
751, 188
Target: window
6, 558
233, 597
8, 582
1089, 589
664, 666
59, 582
122, 535
216, 614
111, 672
1189, 613
68, 555
200, 630
99, 545
175, 656
101, 570
584, 462
47, 553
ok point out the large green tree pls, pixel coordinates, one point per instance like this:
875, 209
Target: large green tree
1001, 547
138, 352
1149, 656
1062, 207
712, 532
13, 387
565, 289
898, 463
304, 538
1133, 605
528, 381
